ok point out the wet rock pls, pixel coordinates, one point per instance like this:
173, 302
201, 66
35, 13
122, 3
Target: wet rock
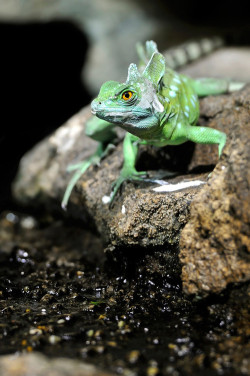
215, 244
39, 365
130, 317
25, 247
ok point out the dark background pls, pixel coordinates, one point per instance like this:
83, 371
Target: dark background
40, 87
40, 75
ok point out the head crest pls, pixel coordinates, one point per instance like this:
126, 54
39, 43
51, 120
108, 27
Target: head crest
133, 73
155, 69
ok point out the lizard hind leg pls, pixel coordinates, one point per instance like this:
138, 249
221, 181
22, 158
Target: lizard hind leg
79, 169
101, 131
79, 172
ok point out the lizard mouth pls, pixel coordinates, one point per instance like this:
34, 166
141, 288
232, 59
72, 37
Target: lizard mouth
93, 112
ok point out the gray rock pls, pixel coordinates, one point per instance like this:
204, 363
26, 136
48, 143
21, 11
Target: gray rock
42, 173
36, 364
229, 62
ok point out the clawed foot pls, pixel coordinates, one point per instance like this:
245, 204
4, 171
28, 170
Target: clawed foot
81, 167
126, 174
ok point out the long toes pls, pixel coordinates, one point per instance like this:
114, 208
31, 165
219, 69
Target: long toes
139, 176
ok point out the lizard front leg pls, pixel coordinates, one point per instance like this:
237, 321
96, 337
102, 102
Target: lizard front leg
200, 135
128, 171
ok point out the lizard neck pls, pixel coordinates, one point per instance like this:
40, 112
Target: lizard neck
144, 127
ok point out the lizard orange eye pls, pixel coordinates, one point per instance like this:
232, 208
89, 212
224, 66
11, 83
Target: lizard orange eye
127, 95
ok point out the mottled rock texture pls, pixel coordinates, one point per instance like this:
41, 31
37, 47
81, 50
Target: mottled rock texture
138, 216
215, 244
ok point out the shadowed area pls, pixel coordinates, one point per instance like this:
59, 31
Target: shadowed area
40, 85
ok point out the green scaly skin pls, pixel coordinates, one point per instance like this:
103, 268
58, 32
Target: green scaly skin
156, 107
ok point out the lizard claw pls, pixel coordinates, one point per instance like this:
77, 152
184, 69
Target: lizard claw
125, 175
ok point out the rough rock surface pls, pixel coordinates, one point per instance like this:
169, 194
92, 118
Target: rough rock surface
138, 216
215, 244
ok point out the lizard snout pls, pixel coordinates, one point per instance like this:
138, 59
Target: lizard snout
94, 106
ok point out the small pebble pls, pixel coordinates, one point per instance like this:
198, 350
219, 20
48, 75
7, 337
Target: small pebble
99, 349
11, 217
121, 324
79, 274
112, 343
35, 332
90, 333
133, 356
172, 346
28, 223
152, 371
61, 321
53, 340
102, 317
98, 334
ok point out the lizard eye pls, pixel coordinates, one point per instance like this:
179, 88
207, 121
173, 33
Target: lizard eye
127, 95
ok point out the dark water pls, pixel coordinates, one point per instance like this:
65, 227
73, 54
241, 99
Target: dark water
60, 295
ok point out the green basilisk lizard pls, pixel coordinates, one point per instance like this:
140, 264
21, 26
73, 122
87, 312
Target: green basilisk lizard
157, 107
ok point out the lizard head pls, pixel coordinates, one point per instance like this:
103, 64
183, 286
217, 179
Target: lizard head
133, 105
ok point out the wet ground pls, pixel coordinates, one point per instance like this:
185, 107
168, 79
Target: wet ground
61, 295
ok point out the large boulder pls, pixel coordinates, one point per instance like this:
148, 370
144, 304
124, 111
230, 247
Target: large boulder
215, 244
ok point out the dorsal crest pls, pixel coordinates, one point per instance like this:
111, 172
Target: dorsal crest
155, 68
